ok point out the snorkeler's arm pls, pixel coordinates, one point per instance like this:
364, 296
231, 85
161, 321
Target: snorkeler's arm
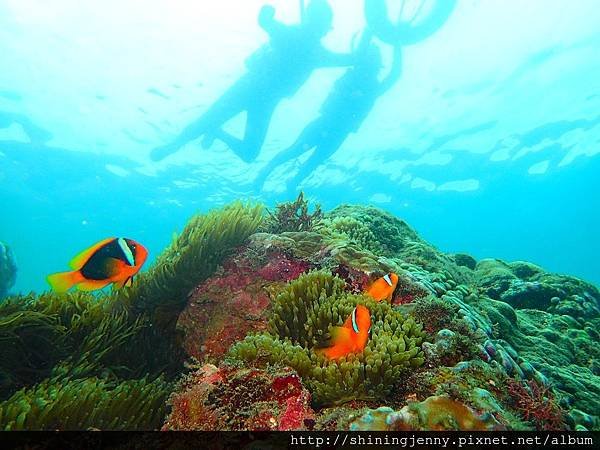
332, 59
267, 21
395, 71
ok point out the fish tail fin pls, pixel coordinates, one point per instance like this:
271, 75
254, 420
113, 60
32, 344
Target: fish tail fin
63, 281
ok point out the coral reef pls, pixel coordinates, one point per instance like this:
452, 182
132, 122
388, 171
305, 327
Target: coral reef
302, 315
387, 232
8, 269
354, 232
433, 414
230, 398
526, 286
463, 344
552, 349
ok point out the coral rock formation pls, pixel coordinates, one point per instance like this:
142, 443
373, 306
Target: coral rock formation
229, 398
8, 269
463, 345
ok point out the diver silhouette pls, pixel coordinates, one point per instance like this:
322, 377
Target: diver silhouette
275, 71
355, 93
344, 110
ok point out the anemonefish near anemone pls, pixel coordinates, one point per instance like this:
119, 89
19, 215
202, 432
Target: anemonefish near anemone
112, 260
352, 336
383, 288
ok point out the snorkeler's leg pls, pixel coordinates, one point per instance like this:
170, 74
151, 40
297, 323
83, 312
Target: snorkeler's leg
230, 140
227, 106
189, 133
257, 125
322, 152
305, 142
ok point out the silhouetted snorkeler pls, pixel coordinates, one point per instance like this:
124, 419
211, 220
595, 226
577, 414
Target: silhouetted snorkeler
277, 70
347, 106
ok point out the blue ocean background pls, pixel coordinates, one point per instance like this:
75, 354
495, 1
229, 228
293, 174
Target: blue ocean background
489, 143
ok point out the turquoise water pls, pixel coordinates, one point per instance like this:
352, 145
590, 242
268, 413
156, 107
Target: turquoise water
486, 142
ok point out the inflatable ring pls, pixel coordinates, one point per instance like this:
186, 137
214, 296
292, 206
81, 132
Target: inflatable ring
403, 33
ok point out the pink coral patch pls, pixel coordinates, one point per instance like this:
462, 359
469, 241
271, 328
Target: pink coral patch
234, 301
228, 398
297, 413
282, 267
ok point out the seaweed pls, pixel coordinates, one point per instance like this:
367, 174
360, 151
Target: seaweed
37, 332
535, 403
30, 345
82, 404
293, 217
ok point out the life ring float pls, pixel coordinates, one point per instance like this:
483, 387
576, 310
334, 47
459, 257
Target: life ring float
404, 32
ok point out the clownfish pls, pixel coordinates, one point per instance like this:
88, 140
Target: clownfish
112, 260
352, 336
383, 288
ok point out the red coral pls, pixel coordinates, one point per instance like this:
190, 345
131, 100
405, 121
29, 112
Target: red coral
356, 280
282, 267
536, 403
225, 308
407, 291
286, 386
227, 398
234, 301
294, 400
297, 415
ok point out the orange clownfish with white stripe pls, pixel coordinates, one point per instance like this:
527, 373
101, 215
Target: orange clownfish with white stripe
112, 260
351, 337
383, 288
